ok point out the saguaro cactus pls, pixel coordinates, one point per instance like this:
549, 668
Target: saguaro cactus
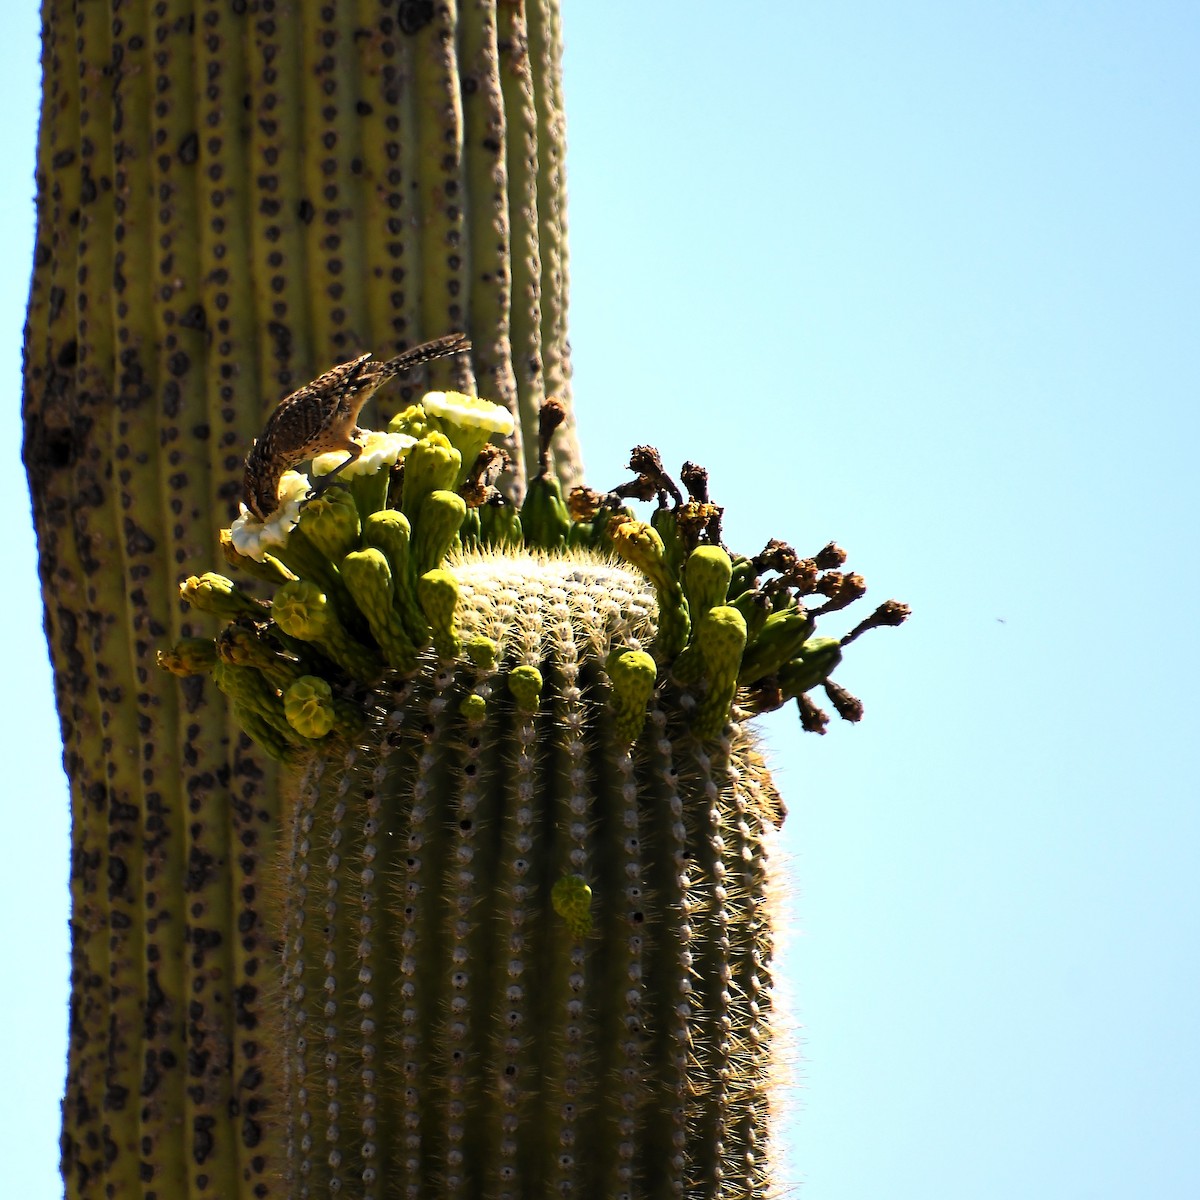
233, 195
524, 888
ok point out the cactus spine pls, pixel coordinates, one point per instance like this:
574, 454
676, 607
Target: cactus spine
525, 939
230, 198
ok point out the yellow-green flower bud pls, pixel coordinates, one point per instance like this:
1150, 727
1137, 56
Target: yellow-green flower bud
368, 578
483, 653
432, 465
308, 706
706, 576
190, 656
437, 526
330, 522
572, 900
390, 532
525, 687
410, 420
247, 687
437, 592
302, 610
473, 709
721, 640
640, 545
632, 674
213, 593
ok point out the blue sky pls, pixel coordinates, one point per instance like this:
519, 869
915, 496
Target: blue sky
923, 278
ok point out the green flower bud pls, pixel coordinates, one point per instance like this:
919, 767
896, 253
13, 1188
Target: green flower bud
437, 592
247, 687
632, 674
369, 580
469, 531
281, 748
473, 709
545, 520
500, 525
436, 528
663, 521
572, 900
250, 647
721, 640
410, 420
213, 593
308, 706
301, 557
483, 653
525, 687
432, 465
330, 522
190, 656
640, 545
813, 665
390, 532
780, 638
706, 576
302, 610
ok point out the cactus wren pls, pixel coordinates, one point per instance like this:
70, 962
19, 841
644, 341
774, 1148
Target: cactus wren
323, 416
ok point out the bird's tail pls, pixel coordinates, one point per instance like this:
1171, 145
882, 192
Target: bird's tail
443, 347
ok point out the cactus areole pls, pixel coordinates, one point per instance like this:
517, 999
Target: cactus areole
524, 892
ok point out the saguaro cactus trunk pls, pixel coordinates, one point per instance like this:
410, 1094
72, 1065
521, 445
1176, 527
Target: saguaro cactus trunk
232, 195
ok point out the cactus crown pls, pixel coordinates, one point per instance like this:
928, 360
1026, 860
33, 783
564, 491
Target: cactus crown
525, 940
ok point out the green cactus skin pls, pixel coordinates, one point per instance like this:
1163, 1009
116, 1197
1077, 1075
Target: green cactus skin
440, 936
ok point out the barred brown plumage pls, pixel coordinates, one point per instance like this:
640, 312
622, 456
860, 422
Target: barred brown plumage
323, 416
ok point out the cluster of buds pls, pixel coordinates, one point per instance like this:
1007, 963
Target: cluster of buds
365, 583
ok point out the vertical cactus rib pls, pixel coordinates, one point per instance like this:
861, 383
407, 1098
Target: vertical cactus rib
545, 51
297, 1031
439, 133
280, 211
568, 975
521, 166
752, 968
384, 106
100, 558
664, 1160
233, 386
511, 1055
712, 1052
420, 936
150, 602
488, 231
190, 497
53, 434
